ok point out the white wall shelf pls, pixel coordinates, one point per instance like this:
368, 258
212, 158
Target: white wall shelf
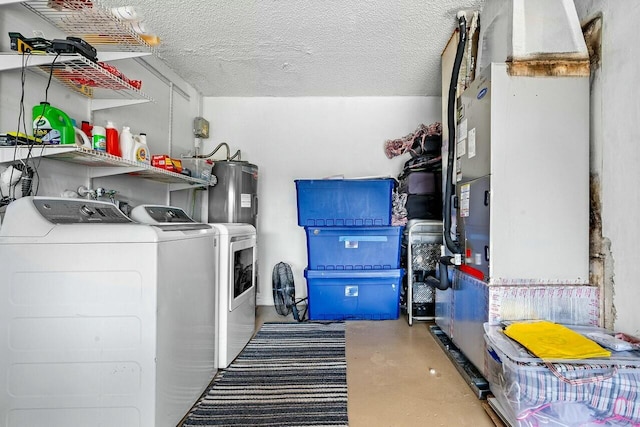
14, 60
90, 79
90, 21
100, 164
81, 75
114, 40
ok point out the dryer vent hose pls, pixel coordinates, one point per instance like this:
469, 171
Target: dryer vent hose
453, 246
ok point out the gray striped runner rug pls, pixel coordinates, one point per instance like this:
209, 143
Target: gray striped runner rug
290, 374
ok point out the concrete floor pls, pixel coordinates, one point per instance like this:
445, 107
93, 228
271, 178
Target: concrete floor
397, 375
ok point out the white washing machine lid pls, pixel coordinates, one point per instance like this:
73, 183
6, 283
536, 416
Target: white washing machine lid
234, 229
167, 218
158, 214
162, 216
66, 220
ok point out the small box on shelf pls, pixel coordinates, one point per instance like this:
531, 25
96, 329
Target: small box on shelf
165, 162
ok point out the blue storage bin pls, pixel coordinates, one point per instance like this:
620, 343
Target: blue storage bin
353, 248
344, 202
342, 295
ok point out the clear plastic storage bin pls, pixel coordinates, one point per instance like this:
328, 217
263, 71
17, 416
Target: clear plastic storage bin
563, 392
200, 168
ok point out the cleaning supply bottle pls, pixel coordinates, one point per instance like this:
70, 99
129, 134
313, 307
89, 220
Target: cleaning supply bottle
51, 125
141, 149
126, 144
113, 141
99, 138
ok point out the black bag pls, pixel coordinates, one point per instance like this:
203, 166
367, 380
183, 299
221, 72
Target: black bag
426, 145
422, 182
428, 206
421, 179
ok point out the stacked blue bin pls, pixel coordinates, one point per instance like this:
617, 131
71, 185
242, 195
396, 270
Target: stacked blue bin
353, 252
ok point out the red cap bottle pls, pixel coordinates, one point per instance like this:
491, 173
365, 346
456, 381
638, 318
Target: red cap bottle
113, 144
86, 128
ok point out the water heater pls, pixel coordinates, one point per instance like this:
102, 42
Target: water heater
234, 199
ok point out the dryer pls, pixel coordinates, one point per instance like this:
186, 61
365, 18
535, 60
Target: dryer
236, 290
102, 321
235, 260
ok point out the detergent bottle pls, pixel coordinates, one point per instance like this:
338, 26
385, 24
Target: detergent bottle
141, 149
126, 144
51, 125
113, 141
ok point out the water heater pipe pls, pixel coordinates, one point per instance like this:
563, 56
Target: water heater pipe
215, 150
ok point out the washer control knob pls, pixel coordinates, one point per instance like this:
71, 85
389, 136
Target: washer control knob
86, 210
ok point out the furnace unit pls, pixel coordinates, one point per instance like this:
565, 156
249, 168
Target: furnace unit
522, 206
516, 162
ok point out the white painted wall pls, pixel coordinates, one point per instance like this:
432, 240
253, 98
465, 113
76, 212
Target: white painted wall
308, 138
615, 137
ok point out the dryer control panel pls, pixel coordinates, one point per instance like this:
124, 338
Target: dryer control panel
168, 218
148, 214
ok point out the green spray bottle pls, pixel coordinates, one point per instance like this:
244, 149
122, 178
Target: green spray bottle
51, 125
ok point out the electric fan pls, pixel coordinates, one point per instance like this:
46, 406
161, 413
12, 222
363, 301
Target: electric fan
284, 292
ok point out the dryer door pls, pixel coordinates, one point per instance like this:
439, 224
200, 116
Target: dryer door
242, 257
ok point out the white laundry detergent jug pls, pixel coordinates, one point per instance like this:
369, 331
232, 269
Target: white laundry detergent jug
126, 144
141, 149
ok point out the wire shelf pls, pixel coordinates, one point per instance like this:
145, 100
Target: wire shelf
93, 158
111, 165
90, 21
90, 79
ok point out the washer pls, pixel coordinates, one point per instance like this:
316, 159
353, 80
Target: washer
102, 321
235, 258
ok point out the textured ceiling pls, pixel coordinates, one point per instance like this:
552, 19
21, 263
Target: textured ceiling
304, 47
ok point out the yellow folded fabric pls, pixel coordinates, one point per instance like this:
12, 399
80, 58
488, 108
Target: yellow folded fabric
549, 340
